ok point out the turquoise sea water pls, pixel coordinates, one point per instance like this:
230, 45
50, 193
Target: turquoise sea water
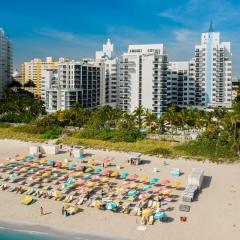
6, 234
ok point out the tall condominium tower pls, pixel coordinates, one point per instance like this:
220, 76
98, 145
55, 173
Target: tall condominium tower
213, 71
72, 83
143, 78
32, 70
5, 62
111, 70
178, 84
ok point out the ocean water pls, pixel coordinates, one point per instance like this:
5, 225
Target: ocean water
15, 234
7, 234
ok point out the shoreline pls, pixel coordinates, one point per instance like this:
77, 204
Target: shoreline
29, 228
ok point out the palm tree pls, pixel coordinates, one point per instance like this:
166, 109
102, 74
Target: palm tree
139, 114
150, 120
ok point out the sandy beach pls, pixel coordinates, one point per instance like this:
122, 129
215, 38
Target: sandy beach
214, 215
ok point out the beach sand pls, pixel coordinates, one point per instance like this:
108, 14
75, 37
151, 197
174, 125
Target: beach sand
214, 215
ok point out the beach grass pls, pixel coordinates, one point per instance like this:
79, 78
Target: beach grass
11, 133
146, 146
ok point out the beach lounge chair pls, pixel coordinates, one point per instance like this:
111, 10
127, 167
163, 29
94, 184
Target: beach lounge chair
81, 200
150, 202
12, 189
73, 210
143, 221
154, 204
150, 220
134, 211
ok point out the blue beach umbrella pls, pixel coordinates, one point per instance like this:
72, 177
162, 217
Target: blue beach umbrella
31, 170
29, 158
50, 162
71, 180
133, 192
145, 188
97, 170
72, 166
111, 205
160, 216
65, 185
124, 175
154, 180
87, 176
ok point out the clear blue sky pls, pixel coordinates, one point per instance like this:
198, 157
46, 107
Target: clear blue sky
77, 28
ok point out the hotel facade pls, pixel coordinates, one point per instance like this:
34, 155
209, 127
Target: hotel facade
143, 78
6, 62
72, 83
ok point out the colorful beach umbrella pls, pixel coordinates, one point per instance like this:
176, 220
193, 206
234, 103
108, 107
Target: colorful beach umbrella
156, 190
105, 179
154, 180
65, 185
147, 187
147, 212
111, 205
96, 177
114, 174
50, 162
167, 191
133, 176
90, 184
143, 196
106, 172
165, 182
143, 179
124, 175
79, 168
97, 170
87, 176
176, 184
160, 216
134, 186
71, 180
89, 169
81, 181
133, 192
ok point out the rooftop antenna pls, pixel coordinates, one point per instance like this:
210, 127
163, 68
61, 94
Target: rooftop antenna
211, 27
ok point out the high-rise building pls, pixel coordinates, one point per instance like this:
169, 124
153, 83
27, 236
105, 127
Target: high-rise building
213, 71
72, 83
178, 84
111, 70
143, 78
6, 65
32, 71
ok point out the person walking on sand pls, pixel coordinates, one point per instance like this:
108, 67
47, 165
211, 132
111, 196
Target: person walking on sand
63, 210
41, 211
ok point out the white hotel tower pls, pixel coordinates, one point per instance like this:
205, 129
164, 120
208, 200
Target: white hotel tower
109, 88
143, 78
5, 62
212, 71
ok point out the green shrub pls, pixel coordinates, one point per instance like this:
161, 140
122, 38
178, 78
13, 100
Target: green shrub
51, 134
111, 135
5, 125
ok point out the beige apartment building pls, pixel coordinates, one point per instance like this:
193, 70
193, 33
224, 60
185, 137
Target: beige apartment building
33, 69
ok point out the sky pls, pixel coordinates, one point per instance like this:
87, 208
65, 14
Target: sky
77, 28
